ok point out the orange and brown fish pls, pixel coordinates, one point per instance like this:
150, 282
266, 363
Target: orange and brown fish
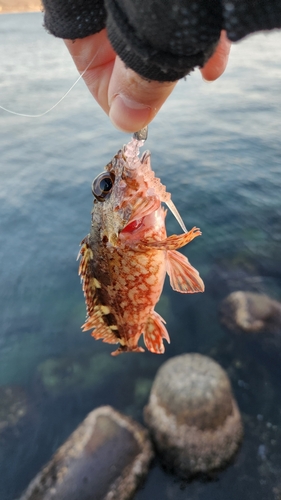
127, 254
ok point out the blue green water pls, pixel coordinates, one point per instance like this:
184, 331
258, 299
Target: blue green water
217, 148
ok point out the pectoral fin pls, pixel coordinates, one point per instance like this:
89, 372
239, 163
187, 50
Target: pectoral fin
174, 241
154, 332
183, 276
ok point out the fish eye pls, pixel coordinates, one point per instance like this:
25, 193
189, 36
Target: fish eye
102, 185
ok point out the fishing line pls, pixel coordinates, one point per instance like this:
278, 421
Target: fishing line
58, 102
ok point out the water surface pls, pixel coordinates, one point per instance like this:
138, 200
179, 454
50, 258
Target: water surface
217, 148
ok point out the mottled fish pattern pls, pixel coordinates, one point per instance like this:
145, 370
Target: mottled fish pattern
127, 254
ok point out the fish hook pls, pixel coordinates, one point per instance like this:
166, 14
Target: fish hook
141, 135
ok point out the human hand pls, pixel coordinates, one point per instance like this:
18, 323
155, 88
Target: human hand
130, 101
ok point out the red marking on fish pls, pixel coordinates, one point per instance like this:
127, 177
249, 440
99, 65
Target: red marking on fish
133, 226
127, 254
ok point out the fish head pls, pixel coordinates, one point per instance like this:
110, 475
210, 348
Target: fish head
128, 197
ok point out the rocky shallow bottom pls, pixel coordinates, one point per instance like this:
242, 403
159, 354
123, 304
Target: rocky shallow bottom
194, 423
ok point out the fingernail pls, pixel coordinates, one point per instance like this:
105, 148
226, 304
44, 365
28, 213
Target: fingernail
128, 115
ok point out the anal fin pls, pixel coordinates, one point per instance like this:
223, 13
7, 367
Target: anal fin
154, 332
184, 277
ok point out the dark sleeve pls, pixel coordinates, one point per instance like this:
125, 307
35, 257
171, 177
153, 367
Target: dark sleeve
162, 39
242, 17
73, 19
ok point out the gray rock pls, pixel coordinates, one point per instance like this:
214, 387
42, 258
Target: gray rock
192, 415
104, 459
251, 312
277, 492
13, 406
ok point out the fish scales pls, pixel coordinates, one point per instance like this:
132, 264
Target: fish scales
125, 257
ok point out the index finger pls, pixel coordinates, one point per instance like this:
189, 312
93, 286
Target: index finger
95, 51
216, 65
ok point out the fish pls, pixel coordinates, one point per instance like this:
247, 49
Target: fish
125, 257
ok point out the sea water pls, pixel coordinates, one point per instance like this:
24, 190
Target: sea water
217, 149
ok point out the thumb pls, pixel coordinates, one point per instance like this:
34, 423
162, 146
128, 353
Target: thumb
134, 101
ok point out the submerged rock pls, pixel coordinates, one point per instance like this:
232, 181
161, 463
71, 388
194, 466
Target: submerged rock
277, 492
192, 415
105, 458
59, 375
13, 406
251, 312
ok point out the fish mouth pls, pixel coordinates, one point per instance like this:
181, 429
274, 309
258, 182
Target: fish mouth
133, 226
